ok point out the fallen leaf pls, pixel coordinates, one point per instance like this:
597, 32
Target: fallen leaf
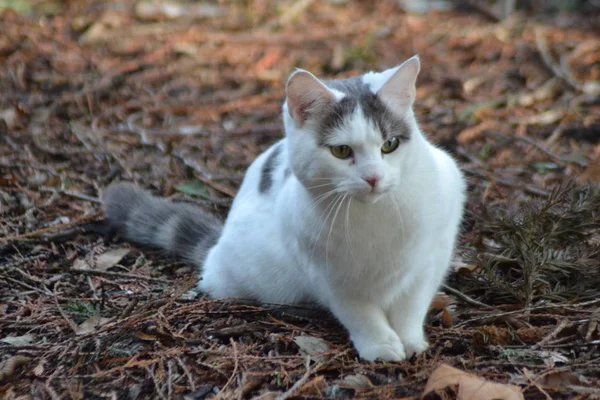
91, 325
550, 358
592, 172
475, 132
7, 367
18, 340
196, 188
441, 301
470, 386
103, 261
447, 320
357, 382
110, 258
544, 118
314, 387
144, 336
311, 346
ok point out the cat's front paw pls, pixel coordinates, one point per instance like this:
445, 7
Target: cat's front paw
386, 351
415, 345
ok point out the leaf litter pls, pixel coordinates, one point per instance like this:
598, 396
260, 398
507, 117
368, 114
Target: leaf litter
181, 97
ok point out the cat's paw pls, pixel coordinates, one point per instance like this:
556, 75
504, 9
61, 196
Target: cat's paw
415, 346
386, 351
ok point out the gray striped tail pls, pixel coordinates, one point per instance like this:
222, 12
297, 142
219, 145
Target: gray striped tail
147, 220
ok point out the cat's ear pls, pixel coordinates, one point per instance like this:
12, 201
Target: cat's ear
399, 90
307, 96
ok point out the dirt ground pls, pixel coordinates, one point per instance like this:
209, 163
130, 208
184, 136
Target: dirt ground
180, 97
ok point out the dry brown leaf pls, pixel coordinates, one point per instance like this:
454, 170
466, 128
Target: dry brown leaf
91, 324
7, 367
144, 336
470, 387
475, 132
314, 387
356, 382
491, 335
592, 172
462, 268
447, 320
102, 262
312, 346
110, 258
441, 301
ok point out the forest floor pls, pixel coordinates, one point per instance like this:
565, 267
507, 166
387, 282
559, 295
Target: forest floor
181, 97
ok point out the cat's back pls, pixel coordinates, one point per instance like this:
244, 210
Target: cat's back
263, 181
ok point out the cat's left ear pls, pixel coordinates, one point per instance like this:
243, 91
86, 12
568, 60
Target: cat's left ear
399, 91
307, 97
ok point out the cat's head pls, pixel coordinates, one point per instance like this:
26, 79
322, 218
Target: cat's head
353, 135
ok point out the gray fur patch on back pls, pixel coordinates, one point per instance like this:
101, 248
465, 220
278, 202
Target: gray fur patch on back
266, 173
359, 94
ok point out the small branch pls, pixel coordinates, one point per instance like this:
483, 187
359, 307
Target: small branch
466, 298
544, 50
203, 176
65, 317
71, 194
299, 383
551, 336
529, 309
40, 232
117, 275
235, 368
548, 152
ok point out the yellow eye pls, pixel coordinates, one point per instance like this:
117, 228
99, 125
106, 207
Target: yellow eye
341, 151
390, 145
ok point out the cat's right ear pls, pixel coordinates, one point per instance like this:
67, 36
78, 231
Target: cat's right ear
307, 97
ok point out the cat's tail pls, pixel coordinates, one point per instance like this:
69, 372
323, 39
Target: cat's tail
147, 220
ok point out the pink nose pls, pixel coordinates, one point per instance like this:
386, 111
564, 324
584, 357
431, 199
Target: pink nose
372, 181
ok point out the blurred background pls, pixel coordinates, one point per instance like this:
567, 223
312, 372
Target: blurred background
144, 88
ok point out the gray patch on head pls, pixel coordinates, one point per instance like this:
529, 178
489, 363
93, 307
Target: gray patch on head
266, 173
287, 172
359, 94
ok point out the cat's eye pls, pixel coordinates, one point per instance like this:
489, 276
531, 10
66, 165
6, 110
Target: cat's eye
390, 145
341, 151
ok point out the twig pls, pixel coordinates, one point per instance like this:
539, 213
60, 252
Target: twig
118, 275
47, 293
529, 309
543, 48
71, 194
39, 232
548, 152
187, 374
551, 336
235, 368
466, 298
14, 264
299, 383
65, 317
203, 176
156, 385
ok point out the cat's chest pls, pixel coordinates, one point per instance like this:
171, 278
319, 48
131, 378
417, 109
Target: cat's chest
364, 235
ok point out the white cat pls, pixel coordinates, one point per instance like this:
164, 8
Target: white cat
354, 210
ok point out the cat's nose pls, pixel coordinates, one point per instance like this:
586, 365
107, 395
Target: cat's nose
372, 181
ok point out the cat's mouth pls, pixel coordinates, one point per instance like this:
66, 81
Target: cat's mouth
369, 197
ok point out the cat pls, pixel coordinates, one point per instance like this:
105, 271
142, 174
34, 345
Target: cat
354, 210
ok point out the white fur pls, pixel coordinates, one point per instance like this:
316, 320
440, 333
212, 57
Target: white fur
375, 259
